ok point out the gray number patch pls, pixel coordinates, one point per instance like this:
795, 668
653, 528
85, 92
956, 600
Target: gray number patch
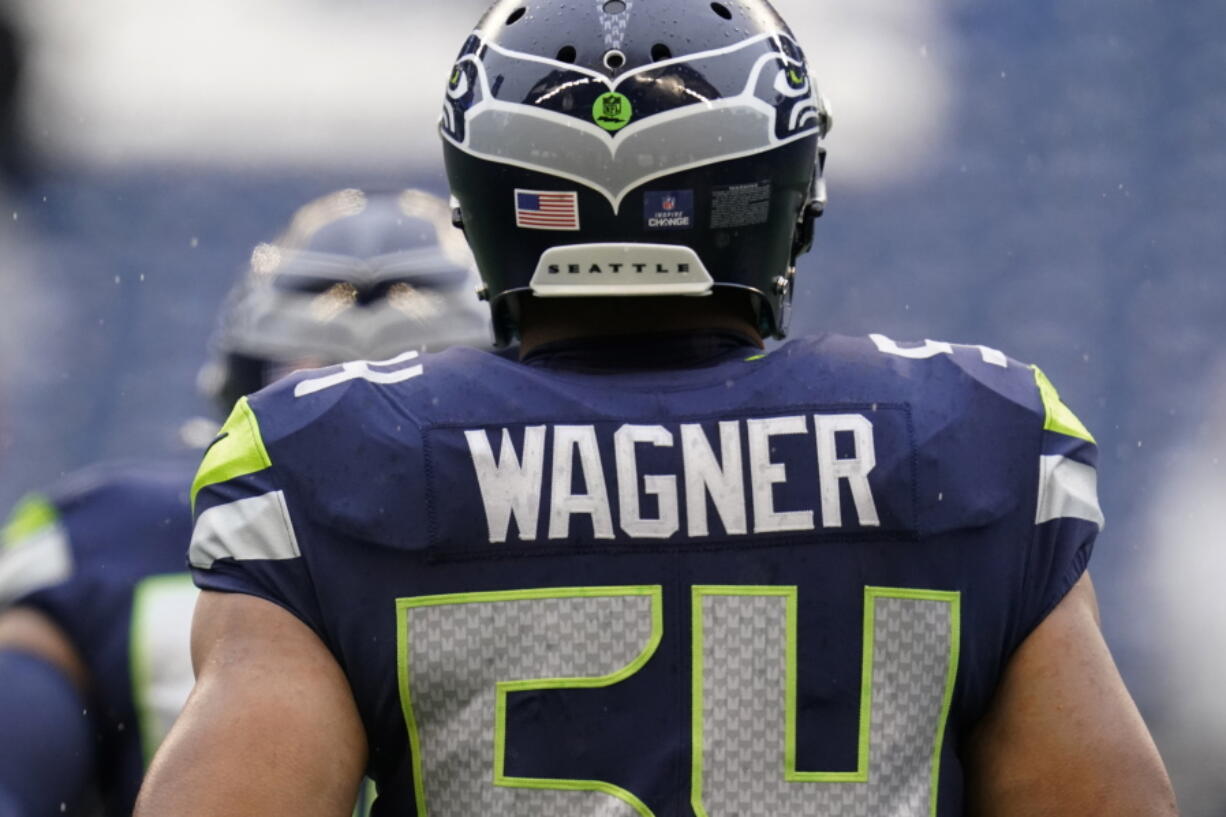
460, 655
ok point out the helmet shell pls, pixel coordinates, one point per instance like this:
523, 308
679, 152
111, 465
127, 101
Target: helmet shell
355, 276
632, 148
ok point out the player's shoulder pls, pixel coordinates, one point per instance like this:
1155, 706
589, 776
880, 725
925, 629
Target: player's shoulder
939, 378
343, 444
367, 397
114, 513
986, 429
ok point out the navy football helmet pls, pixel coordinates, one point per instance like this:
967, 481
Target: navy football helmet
635, 148
355, 276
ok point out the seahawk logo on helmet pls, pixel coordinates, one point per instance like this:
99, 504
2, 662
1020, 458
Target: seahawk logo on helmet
619, 102
680, 118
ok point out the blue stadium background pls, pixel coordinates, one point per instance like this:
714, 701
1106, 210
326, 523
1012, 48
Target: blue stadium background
1074, 217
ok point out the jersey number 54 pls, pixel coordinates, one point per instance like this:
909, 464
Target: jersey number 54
461, 655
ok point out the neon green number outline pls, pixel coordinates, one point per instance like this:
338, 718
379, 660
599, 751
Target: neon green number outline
500, 778
140, 662
790, 773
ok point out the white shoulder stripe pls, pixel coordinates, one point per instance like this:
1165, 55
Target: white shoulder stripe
254, 528
1067, 489
41, 560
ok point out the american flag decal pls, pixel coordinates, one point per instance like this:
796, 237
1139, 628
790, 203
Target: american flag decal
546, 210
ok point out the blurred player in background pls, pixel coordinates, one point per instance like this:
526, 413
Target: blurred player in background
95, 602
648, 569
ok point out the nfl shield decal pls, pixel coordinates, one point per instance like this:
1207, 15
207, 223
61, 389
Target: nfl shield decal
668, 209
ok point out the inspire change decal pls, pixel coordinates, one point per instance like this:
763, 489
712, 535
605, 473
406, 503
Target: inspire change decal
668, 209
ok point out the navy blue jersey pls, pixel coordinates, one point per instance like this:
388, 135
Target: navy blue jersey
757, 584
101, 554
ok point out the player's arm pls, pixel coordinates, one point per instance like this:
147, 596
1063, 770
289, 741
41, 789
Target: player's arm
46, 753
1062, 735
271, 728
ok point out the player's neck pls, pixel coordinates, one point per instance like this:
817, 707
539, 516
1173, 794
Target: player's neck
550, 320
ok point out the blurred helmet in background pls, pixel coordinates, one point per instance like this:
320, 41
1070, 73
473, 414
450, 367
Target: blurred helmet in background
356, 276
635, 148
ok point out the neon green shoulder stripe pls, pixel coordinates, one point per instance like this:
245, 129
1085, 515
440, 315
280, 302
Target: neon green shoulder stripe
33, 513
1060, 418
237, 451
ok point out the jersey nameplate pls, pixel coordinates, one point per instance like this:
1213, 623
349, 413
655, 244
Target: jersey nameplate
816, 472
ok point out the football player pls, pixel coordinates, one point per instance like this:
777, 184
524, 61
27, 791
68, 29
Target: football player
95, 600
649, 569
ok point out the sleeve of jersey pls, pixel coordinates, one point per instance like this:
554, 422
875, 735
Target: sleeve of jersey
1067, 515
35, 552
244, 539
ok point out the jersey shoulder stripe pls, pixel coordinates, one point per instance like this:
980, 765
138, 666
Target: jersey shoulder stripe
237, 451
1057, 416
256, 527
35, 552
33, 513
1068, 479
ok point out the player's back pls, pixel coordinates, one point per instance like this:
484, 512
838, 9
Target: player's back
703, 580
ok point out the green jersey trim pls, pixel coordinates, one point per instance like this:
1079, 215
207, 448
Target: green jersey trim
238, 450
33, 513
1060, 418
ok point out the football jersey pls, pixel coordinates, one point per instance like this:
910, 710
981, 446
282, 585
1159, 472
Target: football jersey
101, 554
703, 580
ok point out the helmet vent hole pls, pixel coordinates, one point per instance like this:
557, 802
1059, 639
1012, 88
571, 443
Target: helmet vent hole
567, 53
721, 10
661, 52
614, 7
614, 59
515, 15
